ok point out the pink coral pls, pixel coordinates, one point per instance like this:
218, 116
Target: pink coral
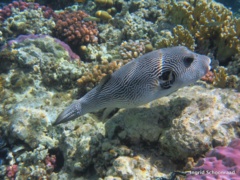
71, 28
220, 163
6, 11
11, 171
50, 162
209, 77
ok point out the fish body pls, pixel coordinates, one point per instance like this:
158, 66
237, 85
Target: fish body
142, 80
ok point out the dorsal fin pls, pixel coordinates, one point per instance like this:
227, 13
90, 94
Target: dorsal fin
104, 80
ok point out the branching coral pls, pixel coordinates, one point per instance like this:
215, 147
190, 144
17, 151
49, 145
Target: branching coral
71, 28
210, 23
223, 80
181, 36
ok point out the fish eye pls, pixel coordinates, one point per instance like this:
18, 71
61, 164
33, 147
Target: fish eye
188, 61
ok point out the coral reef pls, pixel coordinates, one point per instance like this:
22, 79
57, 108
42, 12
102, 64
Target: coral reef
40, 75
50, 162
130, 50
209, 77
110, 35
28, 21
210, 23
34, 164
180, 36
71, 28
134, 27
8, 10
219, 163
223, 80
134, 168
46, 55
11, 171
105, 155
26, 104
35, 62
96, 53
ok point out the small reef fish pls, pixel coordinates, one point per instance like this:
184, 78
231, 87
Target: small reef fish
91, 18
142, 80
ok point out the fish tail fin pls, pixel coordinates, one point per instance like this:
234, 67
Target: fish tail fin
71, 112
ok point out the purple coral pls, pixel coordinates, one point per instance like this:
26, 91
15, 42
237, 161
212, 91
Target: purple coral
22, 38
220, 163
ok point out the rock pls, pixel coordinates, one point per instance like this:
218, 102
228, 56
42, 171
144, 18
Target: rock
134, 168
184, 124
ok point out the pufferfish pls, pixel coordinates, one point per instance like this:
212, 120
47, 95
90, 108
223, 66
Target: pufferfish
142, 80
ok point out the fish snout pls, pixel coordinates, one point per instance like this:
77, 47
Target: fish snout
204, 64
207, 64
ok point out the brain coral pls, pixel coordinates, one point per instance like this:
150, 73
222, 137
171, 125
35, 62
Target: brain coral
210, 23
71, 28
220, 163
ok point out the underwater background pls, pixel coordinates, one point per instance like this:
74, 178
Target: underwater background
53, 52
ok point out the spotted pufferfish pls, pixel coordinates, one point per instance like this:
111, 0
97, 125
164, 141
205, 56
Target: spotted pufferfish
142, 80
